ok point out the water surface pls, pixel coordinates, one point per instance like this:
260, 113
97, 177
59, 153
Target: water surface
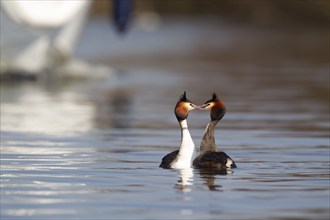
90, 149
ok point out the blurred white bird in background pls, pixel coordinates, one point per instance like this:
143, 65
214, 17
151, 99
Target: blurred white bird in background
38, 36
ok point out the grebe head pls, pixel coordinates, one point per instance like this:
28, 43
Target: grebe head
183, 106
217, 107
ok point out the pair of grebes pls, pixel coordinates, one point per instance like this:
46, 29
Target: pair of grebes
207, 157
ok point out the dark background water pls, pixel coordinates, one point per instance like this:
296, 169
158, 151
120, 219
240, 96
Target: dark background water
90, 148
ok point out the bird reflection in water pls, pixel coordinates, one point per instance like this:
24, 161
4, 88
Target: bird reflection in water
185, 180
209, 177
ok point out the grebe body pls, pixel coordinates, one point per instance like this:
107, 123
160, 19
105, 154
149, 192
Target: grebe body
183, 157
213, 160
208, 157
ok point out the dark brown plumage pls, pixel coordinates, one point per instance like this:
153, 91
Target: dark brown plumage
213, 160
168, 159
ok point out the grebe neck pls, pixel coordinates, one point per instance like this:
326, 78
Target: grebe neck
208, 142
187, 149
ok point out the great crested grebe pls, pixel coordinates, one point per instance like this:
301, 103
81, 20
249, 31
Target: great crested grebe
208, 158
182, 158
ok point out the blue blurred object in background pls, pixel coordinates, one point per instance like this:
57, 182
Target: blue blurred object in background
122, 13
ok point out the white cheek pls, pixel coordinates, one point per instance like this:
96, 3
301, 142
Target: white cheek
189, 107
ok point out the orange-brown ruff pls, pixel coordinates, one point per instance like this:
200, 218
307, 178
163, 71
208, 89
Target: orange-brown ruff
181, 110
208, 158
218, 110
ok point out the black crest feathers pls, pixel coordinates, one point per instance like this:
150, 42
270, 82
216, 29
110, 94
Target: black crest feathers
214, 96
183, 97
